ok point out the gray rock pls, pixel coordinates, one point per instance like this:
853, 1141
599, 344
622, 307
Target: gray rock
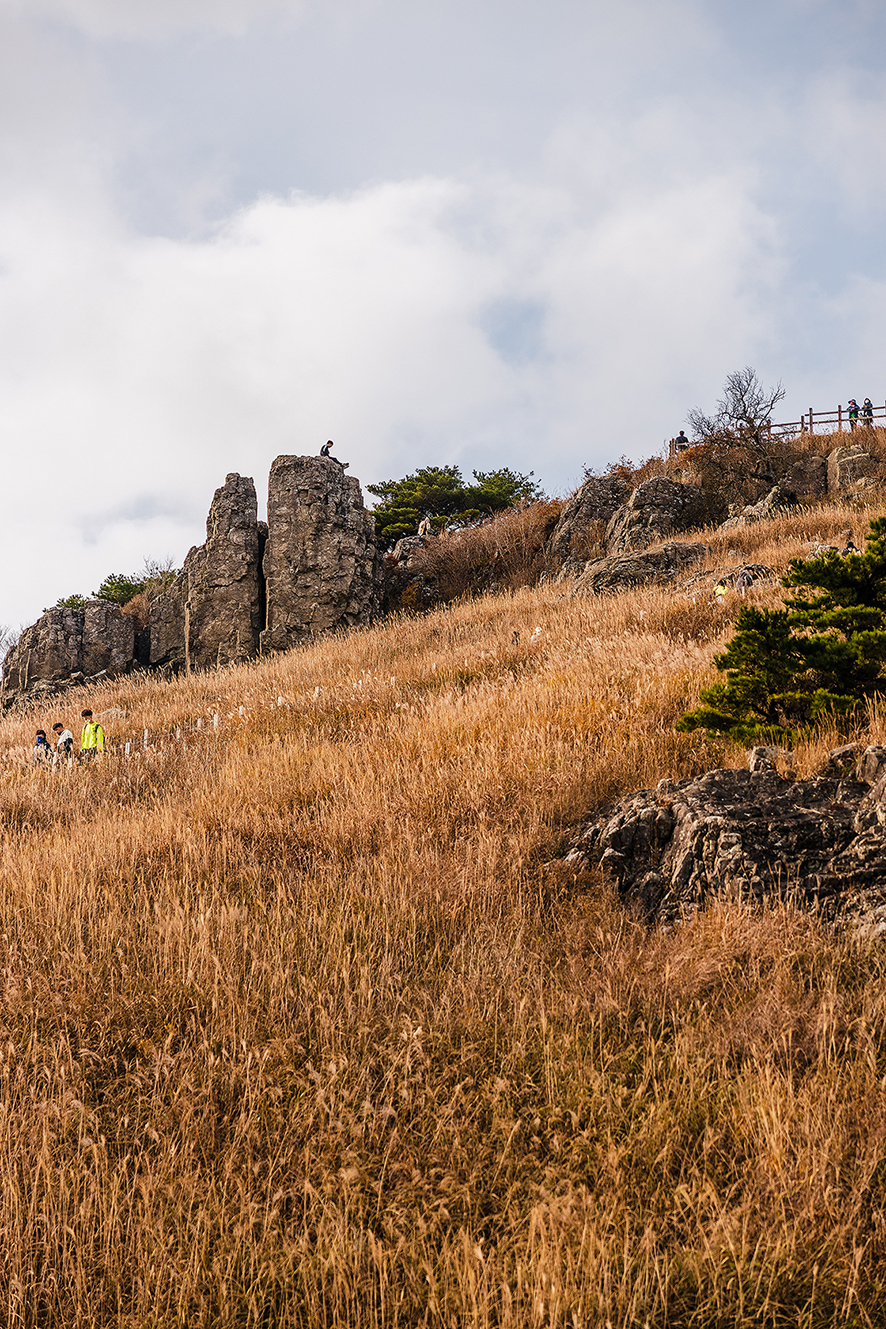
69, 645
321, 565
656, 509
166, 626
606, 576
848, 466
224, 609
821, 842
808, 477
592, 503
779, 499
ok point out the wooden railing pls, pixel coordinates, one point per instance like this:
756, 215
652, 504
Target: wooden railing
828, 422
811, 422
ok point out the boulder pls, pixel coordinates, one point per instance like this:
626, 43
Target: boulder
752, 834
656, 509
592, 503
607, 576
321, 565
808, 477
847, 466
69, 644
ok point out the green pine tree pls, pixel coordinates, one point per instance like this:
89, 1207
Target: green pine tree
439, 492
823, 653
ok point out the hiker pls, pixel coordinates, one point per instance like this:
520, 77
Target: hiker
424, 526
743, 581
64, 743
681, 442
324, 452
41, 753
853, 412
867, 413
92, 739
719, 594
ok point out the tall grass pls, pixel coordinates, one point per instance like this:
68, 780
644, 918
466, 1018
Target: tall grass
304, 1024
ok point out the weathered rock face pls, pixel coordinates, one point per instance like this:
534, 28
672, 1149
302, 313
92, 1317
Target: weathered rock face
224, 605
606, 576
593, 502
166, 627
808, 477
846, 466
69, 645
779, 499
656, 509
212, 613
754, 834
321, 565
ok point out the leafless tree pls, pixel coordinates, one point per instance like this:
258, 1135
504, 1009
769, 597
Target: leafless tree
743, 413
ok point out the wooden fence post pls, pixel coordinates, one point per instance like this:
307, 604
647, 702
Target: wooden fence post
811, 425
839, 419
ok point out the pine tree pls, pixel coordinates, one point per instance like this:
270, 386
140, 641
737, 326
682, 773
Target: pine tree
823, 653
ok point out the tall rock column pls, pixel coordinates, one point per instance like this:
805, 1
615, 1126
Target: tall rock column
322, 568
223, 608
212, 614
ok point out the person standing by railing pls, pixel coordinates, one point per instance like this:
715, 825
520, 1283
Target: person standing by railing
867, 413
853, 412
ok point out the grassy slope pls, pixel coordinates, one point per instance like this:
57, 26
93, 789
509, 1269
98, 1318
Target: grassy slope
297, 1029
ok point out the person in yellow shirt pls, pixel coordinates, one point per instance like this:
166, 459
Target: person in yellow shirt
92, 739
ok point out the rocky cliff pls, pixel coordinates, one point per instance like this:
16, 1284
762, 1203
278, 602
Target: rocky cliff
314, 567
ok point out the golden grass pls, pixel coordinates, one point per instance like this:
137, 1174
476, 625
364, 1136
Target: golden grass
298, 1029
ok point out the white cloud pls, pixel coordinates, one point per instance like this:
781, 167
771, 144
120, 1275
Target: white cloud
139, 18
135, 373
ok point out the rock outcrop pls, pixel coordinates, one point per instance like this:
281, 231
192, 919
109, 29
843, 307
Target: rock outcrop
593, 503
70, 645
656, 509
847, 466
321, 565
808, 477
754, 834
607, 576
324, 573
225, 604
779, 499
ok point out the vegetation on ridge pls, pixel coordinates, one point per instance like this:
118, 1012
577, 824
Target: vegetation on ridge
440, 494
822, 655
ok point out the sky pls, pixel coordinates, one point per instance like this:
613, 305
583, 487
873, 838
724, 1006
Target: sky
492, 234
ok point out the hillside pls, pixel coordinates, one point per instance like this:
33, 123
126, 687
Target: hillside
300, 1027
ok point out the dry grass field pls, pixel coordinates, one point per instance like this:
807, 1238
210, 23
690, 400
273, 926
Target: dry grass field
298, 1029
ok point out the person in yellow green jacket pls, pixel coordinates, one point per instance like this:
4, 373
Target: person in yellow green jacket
92, 739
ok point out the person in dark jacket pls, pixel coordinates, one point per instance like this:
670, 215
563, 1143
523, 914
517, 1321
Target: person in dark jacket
41, 753
867, 413
324, 452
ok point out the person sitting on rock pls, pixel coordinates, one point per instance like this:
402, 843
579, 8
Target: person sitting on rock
41, 754
64, 742
424, 526
719, 593
92, 739
743, 581
324, 452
